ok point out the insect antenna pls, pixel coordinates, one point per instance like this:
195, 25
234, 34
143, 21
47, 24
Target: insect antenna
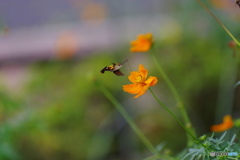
128, 64
124, 61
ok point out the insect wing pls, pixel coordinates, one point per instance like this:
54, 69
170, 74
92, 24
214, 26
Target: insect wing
118, 73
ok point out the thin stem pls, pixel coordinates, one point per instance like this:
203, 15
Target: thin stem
179, 122
126, 116
180, 105
221, 24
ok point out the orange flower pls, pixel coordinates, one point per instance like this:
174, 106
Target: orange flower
66, 46
140, 82
142, 44
227, 124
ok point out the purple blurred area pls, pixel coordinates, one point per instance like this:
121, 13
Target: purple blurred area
31, 29
28, 13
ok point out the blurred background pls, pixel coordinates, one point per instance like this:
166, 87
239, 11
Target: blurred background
51, 54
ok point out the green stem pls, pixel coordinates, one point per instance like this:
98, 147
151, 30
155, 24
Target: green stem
180, 105
126, 116
179, 122
221, 24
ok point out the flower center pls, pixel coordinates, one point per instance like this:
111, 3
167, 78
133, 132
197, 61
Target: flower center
138, 79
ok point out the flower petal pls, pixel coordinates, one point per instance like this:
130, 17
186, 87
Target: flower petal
134, 49
152, 80
142, 44
218, 128
149, 36
227, 124
132, 88
134, 76
227, 119
140, 47
143, 71
135, 42
143, 90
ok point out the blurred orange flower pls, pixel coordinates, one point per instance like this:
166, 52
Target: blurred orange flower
66, 46
140, 82
221, 3
94, 11
227, 124
142, 44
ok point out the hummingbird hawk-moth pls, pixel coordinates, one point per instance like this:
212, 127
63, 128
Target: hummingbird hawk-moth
114, 68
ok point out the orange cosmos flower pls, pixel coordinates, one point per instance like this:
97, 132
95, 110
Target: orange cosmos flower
142, 44
227, 124
66, 46
140, 82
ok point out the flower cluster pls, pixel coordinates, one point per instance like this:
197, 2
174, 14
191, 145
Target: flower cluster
139, 78
141, 83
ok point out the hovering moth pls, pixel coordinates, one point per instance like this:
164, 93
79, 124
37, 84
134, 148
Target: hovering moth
114, 68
